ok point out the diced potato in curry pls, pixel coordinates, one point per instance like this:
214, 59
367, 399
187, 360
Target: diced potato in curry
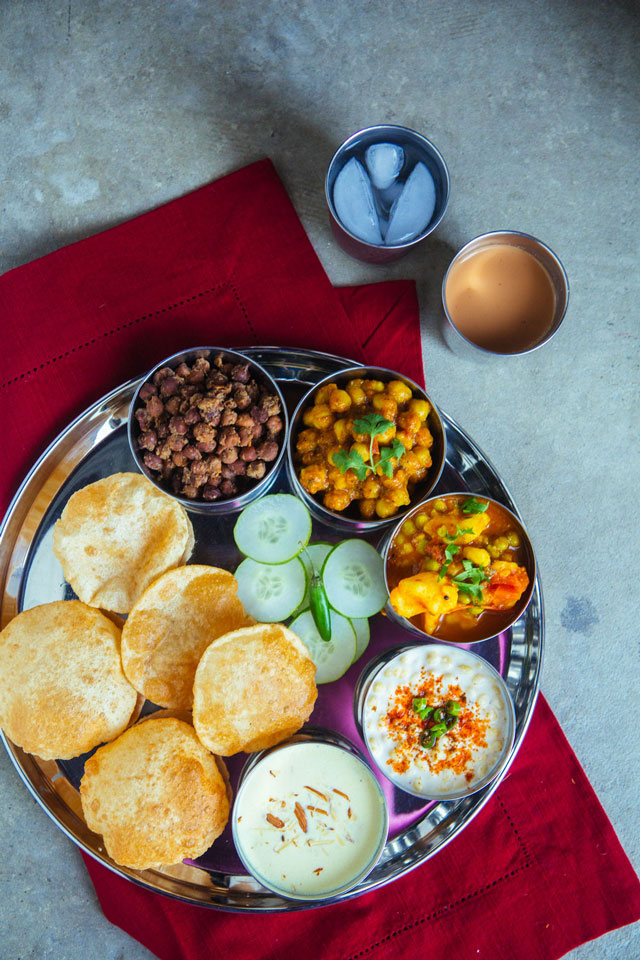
425, 594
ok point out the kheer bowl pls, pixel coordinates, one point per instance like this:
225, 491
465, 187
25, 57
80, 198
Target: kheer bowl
309, 820
349, 519
467, 757
247, 489
491, 623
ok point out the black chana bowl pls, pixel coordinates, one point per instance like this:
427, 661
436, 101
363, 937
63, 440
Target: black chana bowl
208, 426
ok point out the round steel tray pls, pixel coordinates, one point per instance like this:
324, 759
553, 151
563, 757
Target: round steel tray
95, 445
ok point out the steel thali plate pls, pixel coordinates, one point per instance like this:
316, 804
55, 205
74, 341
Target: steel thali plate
94, 446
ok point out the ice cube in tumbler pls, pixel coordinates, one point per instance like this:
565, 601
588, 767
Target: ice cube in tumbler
354, 202
384, 163
413, 208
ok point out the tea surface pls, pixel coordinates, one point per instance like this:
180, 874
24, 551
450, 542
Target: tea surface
501, 298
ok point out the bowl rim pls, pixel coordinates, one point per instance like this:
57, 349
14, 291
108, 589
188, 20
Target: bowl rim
327, 737
364, 686
231, 504
440, 162
385, 545
332, 517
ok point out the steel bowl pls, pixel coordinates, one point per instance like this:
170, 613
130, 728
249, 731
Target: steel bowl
364, 687
349, 520
384, 548
355, 145
257, 489
465, 347
331, 738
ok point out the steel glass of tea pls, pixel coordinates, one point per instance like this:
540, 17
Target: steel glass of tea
505, 293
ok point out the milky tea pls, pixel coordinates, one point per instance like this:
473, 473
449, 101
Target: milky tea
501, 298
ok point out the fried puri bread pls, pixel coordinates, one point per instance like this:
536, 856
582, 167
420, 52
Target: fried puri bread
62, 688
171, 626
116, 536
253, 688
155, 794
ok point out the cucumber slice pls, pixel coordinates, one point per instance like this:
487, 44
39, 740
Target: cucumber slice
334, 657
271, 592
353, 576
363, 635
273, 529
318, 553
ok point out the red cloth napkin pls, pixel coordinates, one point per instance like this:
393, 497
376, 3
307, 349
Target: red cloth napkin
540, 869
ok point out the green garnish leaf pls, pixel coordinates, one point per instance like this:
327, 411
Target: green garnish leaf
346, 460
472, 505
372, 424
387, 454
473, 590
470, 574
449, 553
469, 580
460, 531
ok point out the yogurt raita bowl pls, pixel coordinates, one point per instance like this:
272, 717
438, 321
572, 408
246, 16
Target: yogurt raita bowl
309, 820
437, 720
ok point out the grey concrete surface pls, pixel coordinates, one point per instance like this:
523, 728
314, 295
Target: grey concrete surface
110, 108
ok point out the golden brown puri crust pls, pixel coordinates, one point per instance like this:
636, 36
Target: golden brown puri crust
62, 689
155, 794
253, 688
171, 626
116, 536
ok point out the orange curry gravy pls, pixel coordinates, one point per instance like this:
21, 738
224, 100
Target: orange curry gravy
459, 576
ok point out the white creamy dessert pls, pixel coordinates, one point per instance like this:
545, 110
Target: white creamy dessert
431, 687
310, 820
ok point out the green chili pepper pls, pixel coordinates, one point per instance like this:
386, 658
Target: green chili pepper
427, 740
319, 606
318, 602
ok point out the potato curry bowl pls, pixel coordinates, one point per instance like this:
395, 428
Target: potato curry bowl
460, 568
365, 444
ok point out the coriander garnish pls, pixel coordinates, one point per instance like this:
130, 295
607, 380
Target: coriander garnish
469, 580
372, 425
472, 505
449, 553
460, 531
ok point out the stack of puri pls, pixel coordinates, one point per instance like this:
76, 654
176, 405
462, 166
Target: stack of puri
70, 680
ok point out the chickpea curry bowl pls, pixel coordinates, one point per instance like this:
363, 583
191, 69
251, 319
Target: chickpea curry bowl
208, 426
459, 568
365, 445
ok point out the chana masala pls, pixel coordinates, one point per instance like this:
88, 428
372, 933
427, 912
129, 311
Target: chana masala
457, 568
367, 443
